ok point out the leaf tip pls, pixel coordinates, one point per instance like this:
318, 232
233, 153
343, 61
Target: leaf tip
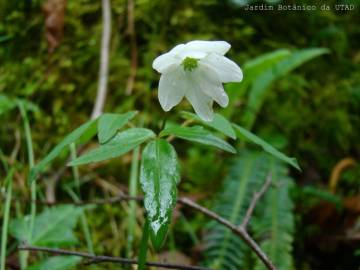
295, 164
158, 239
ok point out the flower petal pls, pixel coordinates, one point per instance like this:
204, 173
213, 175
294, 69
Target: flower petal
193, 54
172, 87
227, 70
163, 62
177, 49
201, 102
220, 47
210, 84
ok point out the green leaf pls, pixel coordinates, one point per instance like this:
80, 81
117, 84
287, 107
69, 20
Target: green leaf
258, 65
244, 133
317, 193
53, 227
82, 133
219, 123
6, 104
120, 144
143, 246
252, 69
197, 134
110, 123
56, 263
159, 175
259, 89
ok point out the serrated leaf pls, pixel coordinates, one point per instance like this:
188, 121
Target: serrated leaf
110, 123
56, 263
53, 227
244, 133
219, 123
261, 84
120, 144
159, 175
82, 133
197, 134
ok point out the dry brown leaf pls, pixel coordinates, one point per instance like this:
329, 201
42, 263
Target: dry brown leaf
54, 11
174, 257
353, 204
337, 171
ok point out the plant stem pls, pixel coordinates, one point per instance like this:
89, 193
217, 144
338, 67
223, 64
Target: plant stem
104, 60
3, 161
143, 246
6, 217
86, 228
132, 204
77, 198
189, 229
84, 224
163, 122
75, 169
30, 152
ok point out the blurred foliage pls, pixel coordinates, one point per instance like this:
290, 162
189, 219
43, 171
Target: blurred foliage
311, 113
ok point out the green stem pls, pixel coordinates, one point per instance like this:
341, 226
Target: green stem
132, 204
84, 223
189, 229
75, 169
143, 246
30, 152
163, 122
6, 217
86, 229
3, 160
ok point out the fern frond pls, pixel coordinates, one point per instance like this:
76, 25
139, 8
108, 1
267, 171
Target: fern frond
224, 251
273, 223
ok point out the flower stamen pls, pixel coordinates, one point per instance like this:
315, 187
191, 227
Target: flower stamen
189, 63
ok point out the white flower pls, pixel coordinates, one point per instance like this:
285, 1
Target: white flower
196, 70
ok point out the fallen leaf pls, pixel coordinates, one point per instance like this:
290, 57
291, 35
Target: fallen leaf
54, 11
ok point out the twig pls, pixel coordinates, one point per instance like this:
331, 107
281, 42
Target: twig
238, 230
256, 197
122, 197
134, 51
100, 259
104, 60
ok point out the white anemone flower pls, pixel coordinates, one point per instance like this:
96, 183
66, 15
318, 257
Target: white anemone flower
197, 71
